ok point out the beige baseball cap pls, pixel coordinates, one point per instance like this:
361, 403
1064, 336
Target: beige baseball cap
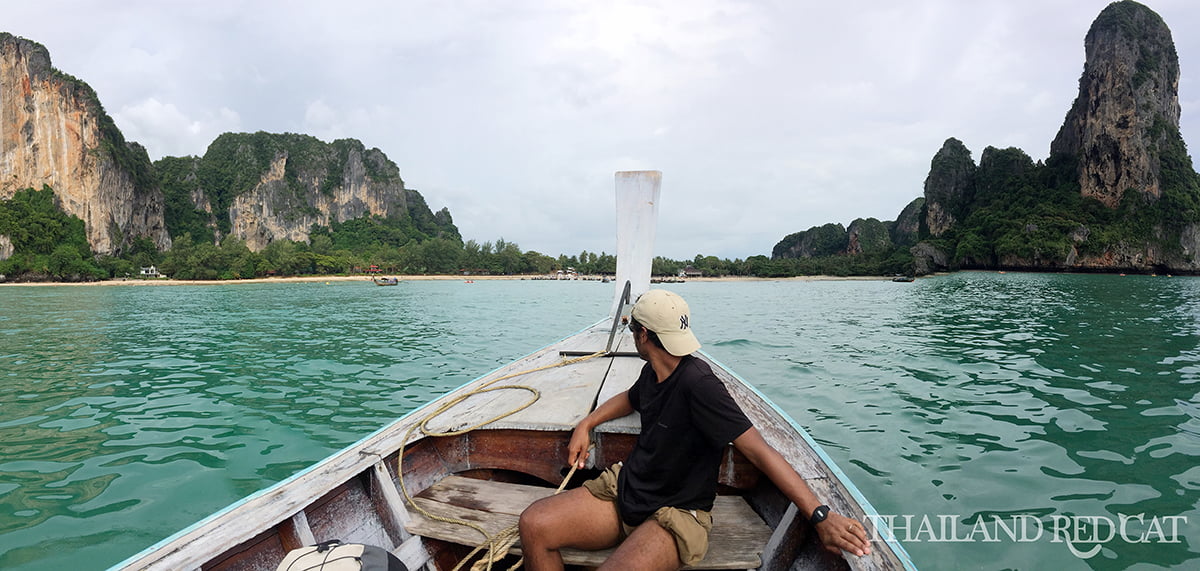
667, 315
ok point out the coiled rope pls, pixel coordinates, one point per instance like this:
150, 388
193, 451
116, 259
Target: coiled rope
499, 544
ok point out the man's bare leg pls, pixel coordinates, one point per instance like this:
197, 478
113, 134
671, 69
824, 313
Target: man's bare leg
574, 518
649, 547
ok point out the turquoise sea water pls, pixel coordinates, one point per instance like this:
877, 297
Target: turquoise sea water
955, 402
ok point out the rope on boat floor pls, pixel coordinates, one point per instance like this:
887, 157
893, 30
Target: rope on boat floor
498, 545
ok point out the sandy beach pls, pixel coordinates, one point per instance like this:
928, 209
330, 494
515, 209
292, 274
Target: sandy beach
403, 278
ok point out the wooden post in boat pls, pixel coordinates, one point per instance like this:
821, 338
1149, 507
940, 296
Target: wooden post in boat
637, 216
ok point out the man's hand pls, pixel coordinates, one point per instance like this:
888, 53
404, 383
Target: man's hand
577, 450
839, 533
581, 439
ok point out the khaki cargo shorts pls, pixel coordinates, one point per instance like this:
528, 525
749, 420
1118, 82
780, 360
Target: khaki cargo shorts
690, 528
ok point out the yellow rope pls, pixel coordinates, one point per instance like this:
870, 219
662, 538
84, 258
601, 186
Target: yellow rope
499, 544
562, 363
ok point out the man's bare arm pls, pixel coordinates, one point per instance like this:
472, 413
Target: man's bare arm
837, 531
615, 407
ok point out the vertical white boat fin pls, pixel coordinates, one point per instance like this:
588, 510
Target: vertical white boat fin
637, 218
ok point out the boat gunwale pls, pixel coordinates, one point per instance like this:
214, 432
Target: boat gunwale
868, 509
391, 430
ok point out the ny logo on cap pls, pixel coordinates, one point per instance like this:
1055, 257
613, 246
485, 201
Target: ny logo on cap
683, 322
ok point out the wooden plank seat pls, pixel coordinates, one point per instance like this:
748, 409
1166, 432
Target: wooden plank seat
736, 542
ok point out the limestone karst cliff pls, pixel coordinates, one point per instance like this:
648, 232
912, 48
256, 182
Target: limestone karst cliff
263, 187
54, 132
1118, 191
257, 187
948, 187
906, 230
1128, 104
866, 235
825, 240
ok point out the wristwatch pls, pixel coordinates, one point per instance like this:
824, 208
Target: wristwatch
819, 514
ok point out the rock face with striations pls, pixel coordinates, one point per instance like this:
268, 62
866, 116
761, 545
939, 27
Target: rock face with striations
867, 235
906, 230
262, 187
948, 186
1117, 193
1128, 104
53, 131
825, 240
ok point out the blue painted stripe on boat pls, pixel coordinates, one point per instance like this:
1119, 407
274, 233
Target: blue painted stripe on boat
868, 509
235, 505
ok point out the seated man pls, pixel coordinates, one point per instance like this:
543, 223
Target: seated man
656, 504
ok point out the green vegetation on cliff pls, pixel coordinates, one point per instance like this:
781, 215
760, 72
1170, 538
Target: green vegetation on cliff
46, 243
1138, 22
818, 241
1028, 216
1010, 212
236, 162
200, 191
865, 249
178, 179
1118, 193
50, 245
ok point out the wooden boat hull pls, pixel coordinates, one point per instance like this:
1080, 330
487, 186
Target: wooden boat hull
354, 495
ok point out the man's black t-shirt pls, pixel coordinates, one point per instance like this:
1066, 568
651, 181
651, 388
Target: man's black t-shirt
686, 422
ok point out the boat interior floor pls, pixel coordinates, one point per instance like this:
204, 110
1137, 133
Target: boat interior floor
738, 537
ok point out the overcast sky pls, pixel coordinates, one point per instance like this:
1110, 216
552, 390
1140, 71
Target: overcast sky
766, 118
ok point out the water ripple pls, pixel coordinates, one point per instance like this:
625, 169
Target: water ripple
972, 394
982, 393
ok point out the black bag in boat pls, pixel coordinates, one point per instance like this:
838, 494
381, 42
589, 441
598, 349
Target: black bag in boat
334, 555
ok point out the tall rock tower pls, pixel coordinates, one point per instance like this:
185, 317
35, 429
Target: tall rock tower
949, 186
1128, 104
53, 131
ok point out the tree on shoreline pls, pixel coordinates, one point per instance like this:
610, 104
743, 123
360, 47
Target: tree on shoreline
49, 245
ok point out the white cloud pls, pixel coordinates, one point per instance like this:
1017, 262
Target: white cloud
166, 130
765, 117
